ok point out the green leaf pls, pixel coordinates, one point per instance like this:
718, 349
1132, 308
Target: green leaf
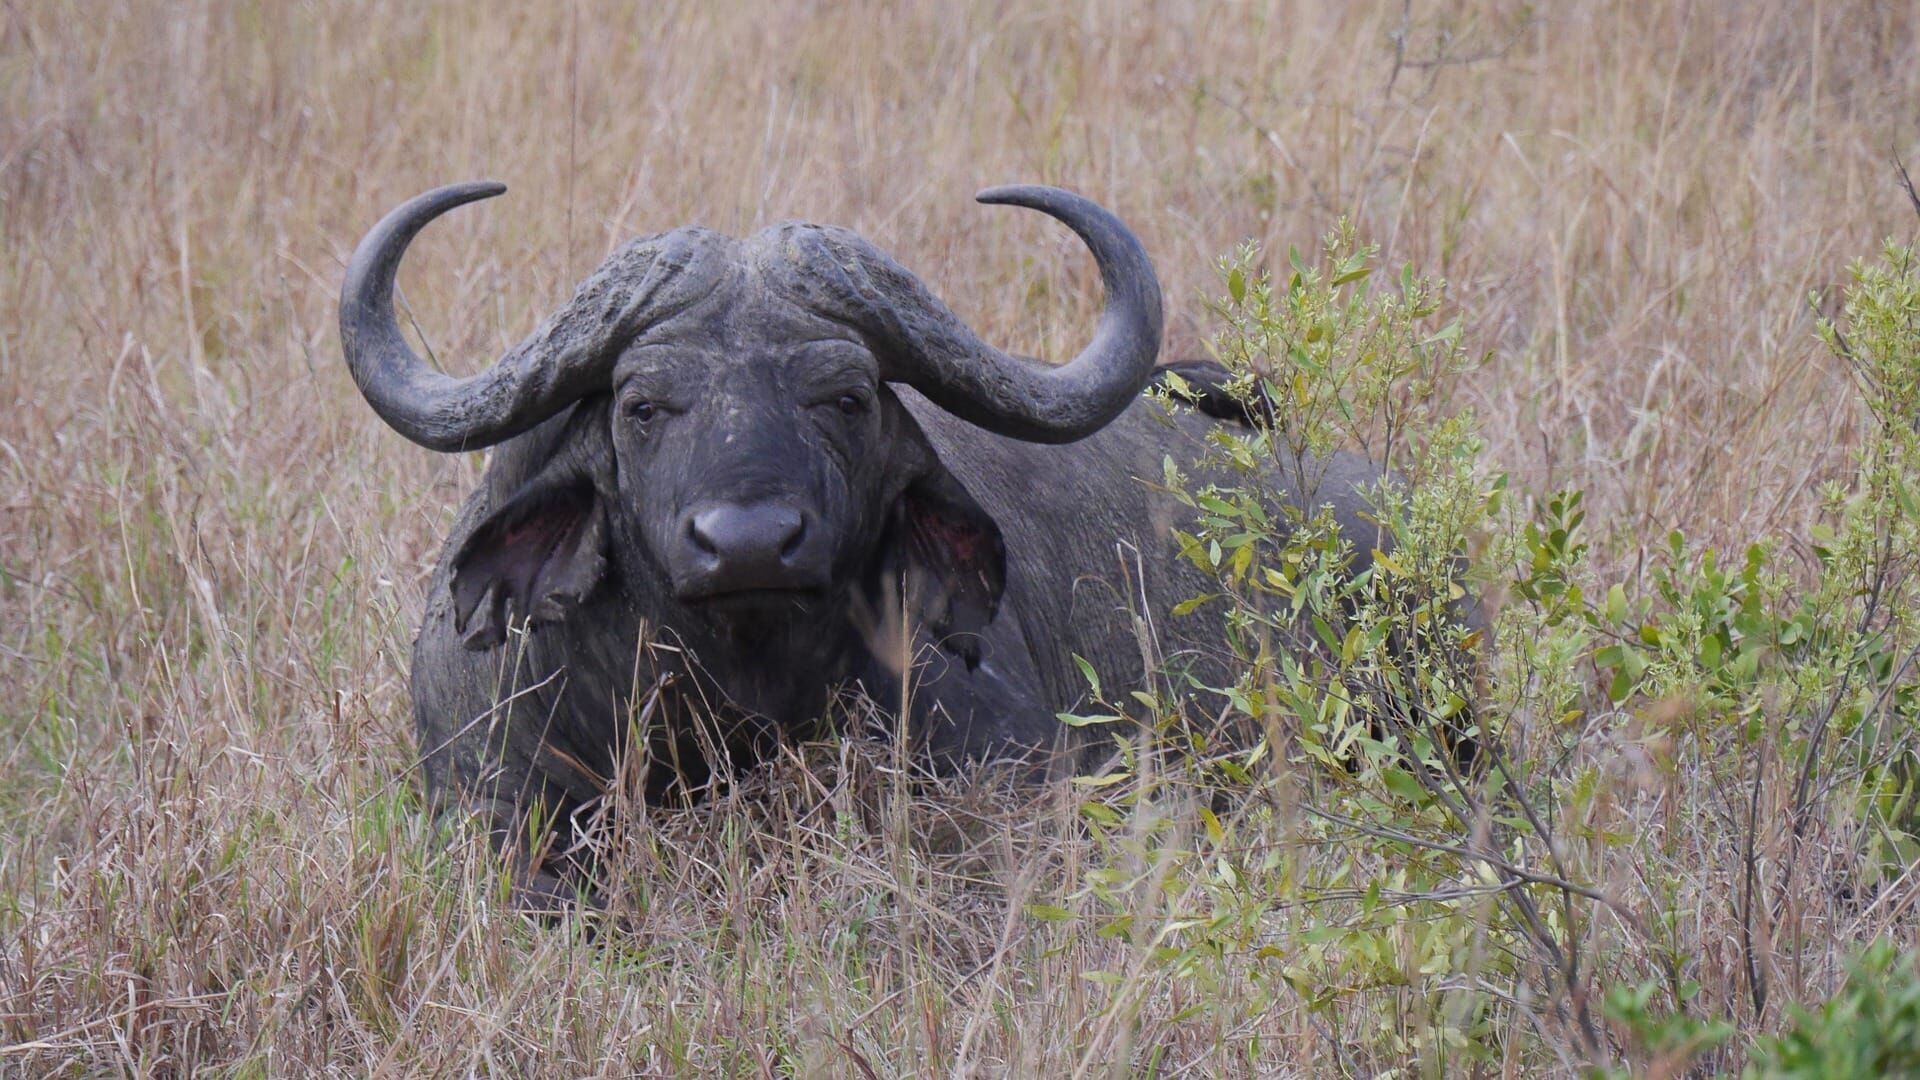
1086, 670
1403, 784
1621, 686
1354, 274
1616, 604
1192, 604
1242, 559
1072, 720
1214, 832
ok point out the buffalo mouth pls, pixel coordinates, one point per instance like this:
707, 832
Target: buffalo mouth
759, 600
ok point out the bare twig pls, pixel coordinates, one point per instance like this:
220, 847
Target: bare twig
1906, 182
1744, 907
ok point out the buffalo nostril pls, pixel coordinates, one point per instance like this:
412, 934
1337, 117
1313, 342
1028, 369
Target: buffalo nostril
790, 546
702, 540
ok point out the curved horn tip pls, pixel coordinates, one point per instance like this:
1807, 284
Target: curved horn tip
1028, 195
453, 195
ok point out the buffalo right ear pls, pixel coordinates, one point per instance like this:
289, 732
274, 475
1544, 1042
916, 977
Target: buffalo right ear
534, 559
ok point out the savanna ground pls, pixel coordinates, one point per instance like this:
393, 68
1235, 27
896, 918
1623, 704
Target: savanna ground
212, 554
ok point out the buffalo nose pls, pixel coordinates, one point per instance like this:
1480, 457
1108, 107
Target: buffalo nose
753, 539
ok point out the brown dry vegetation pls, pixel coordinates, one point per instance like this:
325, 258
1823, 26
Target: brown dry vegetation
212, 555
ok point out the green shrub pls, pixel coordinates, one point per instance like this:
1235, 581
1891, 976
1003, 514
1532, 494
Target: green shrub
1430, 838
1870, 1028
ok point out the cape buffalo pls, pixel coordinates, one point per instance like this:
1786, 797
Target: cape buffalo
735, 477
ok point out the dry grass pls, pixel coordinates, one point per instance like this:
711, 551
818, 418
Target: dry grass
213, 554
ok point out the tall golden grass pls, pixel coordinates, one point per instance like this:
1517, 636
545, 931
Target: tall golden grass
212, 555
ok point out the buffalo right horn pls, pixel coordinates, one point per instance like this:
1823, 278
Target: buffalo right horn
567, 358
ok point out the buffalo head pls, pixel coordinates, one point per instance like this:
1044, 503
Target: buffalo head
759, 463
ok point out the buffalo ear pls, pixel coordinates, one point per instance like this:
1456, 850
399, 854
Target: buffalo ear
954, 562
542, 552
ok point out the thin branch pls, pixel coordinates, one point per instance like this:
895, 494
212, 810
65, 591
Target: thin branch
1756, 982
1907, 183
1521, 874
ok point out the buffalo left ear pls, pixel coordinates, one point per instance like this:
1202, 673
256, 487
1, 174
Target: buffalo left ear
954, 561
533, 559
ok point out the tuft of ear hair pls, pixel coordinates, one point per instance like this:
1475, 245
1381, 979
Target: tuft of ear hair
956, 563
536, 558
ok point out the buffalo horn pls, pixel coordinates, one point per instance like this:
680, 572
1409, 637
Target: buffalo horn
568, 357
921, 343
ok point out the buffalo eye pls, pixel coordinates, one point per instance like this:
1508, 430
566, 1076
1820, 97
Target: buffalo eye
638, 409
852, 404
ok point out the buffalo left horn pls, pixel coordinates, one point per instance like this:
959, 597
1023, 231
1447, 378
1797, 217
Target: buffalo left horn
921, 343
